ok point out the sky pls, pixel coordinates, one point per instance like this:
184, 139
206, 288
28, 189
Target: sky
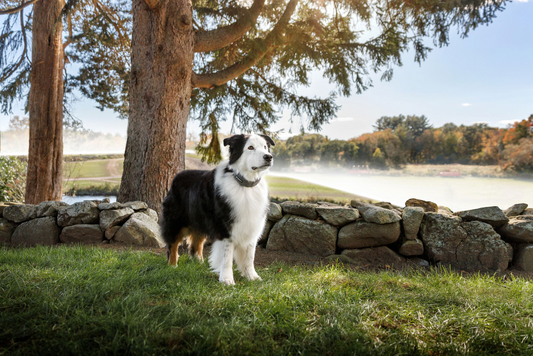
486, 77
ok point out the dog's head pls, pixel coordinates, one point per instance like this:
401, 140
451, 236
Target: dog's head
250, 154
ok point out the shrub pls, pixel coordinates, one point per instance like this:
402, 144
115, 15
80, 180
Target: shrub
12, 179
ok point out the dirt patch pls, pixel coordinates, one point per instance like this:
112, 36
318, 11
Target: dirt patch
113, 167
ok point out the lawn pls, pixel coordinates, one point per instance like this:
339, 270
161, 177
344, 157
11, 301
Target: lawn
91, 168
89, 300
282, 188
81, 178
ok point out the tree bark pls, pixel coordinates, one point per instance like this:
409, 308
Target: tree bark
45, 156
160, 91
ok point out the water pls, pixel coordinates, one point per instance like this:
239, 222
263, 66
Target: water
456, 193
72, 200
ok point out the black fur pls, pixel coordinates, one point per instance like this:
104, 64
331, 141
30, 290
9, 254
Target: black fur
194, 203
270, 142
236, 146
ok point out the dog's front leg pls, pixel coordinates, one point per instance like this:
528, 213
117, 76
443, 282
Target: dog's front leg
226, 263
248, 265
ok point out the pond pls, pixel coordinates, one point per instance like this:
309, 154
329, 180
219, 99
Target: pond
72, 200
456, 193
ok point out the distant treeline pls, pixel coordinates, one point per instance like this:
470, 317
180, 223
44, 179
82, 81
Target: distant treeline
401, 140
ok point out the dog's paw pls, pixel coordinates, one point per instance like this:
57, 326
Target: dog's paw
227, 281
253, 276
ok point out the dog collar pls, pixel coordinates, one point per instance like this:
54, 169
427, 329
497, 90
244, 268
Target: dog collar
243, 181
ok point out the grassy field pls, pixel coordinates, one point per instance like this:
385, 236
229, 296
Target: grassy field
88, 300
82, 178
282, 188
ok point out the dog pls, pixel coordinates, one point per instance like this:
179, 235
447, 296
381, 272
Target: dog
227, 205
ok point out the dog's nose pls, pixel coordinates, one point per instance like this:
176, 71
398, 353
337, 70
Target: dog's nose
267, 158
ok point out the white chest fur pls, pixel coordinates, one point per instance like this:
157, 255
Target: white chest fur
248, 206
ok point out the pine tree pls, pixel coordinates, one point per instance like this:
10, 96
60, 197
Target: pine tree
43, 74
221, 60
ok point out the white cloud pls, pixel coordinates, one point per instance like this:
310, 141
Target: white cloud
466, 104
522, 0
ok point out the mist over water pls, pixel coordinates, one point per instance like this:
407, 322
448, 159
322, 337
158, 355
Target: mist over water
455, 193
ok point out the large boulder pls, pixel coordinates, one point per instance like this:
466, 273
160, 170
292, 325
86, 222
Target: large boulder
492, 215
140, 229
337, 215
274, 212
48, 208
362, 234
83, 233
297, 234
518, 230
376, 214
85, 212
523, 257
411, 219
41, 231
470, 246
111, 217
307, 210
374, 257
515, 210
428, 206
6, 231
19, 213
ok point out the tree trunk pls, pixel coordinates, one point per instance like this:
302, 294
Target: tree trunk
160, 90
45, 156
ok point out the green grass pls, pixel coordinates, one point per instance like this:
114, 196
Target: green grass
89, 169
281, 188
87, 300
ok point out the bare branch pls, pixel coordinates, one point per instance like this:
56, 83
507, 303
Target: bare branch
18, 8
206, 41
210, 80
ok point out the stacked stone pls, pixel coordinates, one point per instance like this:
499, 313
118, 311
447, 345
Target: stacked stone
363, 234
485, 239
87, 222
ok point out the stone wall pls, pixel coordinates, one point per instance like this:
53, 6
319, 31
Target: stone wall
90, 221
366, 235
484, 239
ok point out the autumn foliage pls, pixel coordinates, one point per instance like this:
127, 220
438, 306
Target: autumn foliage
402, 140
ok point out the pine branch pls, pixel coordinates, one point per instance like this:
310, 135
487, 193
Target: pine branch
18, 8
210, 80
14, 68
207, 41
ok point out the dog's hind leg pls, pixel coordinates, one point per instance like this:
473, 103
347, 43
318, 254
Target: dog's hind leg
172, 253
244, 258
196, 247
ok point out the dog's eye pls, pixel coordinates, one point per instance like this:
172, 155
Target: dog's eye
250, 147
265, 147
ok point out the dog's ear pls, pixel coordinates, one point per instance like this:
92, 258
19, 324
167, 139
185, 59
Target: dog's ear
230, 141
269, 141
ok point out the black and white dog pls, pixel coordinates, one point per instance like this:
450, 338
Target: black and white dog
228, 205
